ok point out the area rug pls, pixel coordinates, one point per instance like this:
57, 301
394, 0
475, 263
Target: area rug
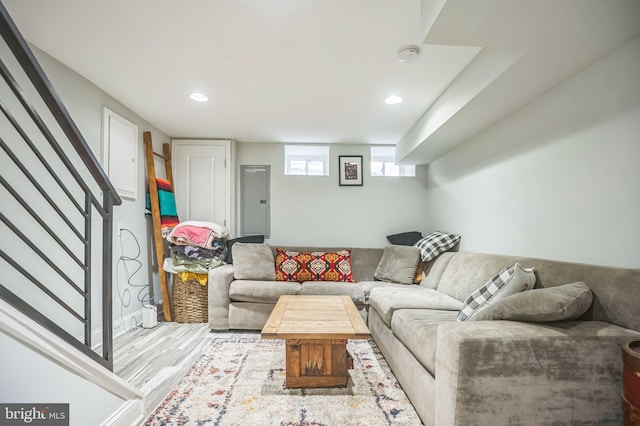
241, 381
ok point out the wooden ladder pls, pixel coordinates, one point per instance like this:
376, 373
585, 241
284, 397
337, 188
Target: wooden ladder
155, 214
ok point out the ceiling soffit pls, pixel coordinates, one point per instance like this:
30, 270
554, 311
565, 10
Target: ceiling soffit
526, 48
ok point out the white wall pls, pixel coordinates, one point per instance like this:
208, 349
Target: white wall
316, 211
85, 101
28, 377
558, 179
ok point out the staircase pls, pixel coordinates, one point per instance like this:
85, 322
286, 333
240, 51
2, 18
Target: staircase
56, 226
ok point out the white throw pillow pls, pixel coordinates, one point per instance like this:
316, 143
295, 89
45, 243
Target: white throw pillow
511, 280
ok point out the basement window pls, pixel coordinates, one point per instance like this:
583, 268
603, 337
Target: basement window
383, 163
309, 160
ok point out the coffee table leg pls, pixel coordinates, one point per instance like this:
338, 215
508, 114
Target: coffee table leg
317, 363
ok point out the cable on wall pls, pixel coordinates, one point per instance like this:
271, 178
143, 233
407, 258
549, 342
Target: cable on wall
131, 266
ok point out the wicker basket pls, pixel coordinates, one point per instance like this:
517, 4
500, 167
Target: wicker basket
190, 301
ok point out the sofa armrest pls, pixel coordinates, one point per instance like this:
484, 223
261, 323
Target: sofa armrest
525, 373
220, 279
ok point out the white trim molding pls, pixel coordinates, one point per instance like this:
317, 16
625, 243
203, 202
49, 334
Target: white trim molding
130, 413
96, 335
22, 328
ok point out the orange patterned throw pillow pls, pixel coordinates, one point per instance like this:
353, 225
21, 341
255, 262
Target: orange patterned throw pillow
313, 266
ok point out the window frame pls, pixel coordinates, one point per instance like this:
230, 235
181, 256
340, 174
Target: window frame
315, 153
386, 161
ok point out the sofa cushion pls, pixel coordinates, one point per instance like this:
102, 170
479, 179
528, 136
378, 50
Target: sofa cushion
387, 300
321, 288
248, 315
398, 265
259, 239
367, 286
313, 266
436, 243
565, 302
405, 238
615, 290
511, 280
253, 262
417, 330
261, 291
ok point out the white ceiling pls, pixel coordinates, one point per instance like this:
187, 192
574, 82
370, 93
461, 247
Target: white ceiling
319, 70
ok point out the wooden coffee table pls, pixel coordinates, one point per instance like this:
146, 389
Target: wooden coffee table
316, 329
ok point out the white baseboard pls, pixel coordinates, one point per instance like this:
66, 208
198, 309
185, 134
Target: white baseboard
127, 320
130, 413
118, 329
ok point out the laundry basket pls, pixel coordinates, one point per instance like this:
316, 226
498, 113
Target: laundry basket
189, 301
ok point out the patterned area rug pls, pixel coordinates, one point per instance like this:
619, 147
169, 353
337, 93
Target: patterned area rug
240, 381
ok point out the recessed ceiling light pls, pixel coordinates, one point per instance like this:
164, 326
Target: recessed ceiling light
199, 97
393, 99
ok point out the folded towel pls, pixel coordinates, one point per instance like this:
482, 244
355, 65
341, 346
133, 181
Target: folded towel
220, 231
196, 233
195, 252
203, 279
192, 235
177, 265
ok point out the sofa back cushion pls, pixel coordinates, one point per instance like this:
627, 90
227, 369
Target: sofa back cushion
616, 291
253, 262
261, 291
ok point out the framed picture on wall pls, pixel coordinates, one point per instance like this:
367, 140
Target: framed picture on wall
350, 170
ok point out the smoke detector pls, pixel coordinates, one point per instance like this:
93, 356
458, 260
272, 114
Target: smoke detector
408, 53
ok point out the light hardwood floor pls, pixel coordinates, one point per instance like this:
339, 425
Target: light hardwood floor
154, 360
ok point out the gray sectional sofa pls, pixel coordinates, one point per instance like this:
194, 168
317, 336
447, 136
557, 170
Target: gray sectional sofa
484, 372
244, 300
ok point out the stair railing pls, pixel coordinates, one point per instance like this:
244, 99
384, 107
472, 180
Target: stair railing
56, 208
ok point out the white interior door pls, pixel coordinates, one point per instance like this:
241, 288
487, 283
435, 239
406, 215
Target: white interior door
202, 180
